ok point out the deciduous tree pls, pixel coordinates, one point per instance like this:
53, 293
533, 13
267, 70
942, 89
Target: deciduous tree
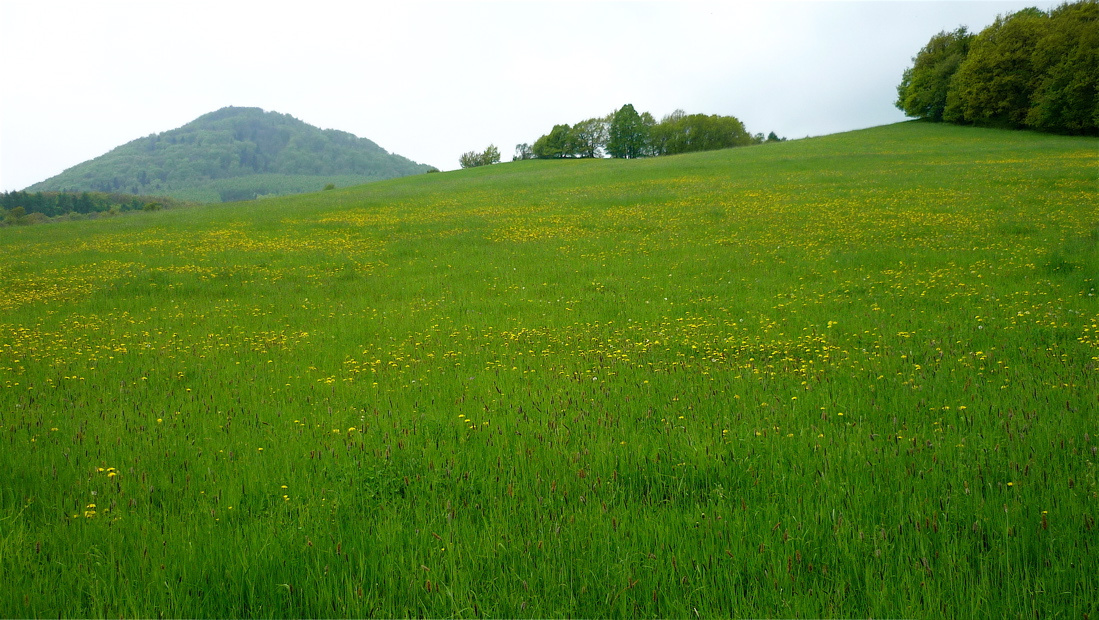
628, 133
589, 137
923, 89
522, 151
1065, 96
993, 85
556, 144
472, 159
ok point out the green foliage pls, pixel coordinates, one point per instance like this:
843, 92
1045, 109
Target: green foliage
16, 215
204, 157
924, 87
585, 139
589, 137
557, 144
57, 204
1028, 69
683, 133
472, 159
993, 85
522, 152
628, 133
1066, 94
794, 381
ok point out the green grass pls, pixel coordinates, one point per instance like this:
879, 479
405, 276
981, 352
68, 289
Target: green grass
265, 186
845, 376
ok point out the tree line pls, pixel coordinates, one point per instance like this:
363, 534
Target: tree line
20, 207
1031, 69
629, 134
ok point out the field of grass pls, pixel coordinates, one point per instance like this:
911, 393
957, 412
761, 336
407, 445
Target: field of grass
855, 375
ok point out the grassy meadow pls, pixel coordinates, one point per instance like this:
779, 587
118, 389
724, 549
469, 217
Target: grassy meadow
855, 375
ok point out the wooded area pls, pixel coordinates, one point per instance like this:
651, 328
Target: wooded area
1031, 69
626, 133
22, 207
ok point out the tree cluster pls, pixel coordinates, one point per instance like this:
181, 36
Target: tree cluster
1031, 69
54, 204
472, 159
628, 134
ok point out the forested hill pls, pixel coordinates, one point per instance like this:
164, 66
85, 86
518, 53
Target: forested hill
234, 154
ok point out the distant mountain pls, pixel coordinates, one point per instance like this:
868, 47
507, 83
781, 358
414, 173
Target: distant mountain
235, 154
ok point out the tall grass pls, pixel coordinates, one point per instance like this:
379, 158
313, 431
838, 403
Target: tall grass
846, 376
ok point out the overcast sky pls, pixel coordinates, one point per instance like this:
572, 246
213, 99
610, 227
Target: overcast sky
432, 80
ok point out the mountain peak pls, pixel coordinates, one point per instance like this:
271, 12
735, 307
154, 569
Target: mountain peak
235, 153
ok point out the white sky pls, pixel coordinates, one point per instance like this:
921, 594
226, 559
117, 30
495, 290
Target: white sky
431, 80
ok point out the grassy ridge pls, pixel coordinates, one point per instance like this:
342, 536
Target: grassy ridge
846, 376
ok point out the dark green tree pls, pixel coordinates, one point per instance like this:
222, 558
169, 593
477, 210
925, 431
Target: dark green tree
1066, 61
1028, 69
923, 90
556, 144
628, 133
589, 137
994, 83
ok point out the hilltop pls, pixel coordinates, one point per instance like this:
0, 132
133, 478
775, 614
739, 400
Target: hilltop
235, 154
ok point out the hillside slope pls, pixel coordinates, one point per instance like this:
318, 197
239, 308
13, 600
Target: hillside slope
848, 376
234, 154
